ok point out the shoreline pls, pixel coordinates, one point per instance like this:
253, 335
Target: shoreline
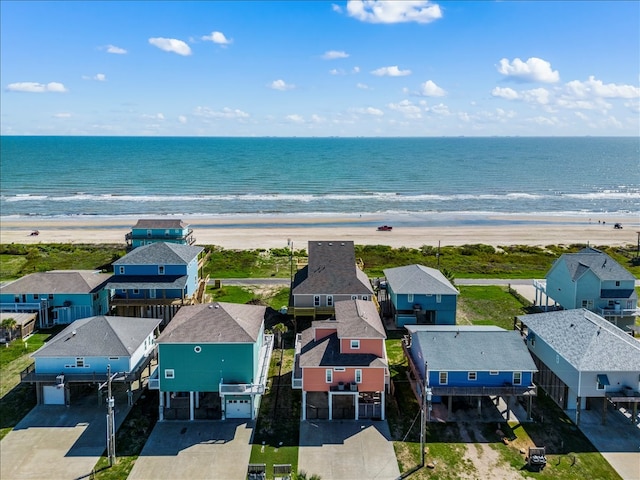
244, 232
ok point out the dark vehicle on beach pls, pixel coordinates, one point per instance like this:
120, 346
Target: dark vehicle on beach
618, 226
385, 228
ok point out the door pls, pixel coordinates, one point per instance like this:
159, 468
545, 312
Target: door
236, 408
53, 395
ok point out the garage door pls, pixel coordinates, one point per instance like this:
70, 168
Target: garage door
53, 395
238, 408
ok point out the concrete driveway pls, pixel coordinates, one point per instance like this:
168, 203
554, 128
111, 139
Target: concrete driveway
347, 449
56, 442
195, 450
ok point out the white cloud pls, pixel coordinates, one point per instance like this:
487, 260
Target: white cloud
295, 118
408, 109
171, 45
375, 112
336, 71
182, 119
440, 109
153, 116
355, 70
334, 54
34, 87
363, 86
541, 96
430, 89
381, 11
508, 93
217, 37
226, 112
336, 8
116, 50
533, 70
62, 115
281, 85
100, 77
392, 71
598, 89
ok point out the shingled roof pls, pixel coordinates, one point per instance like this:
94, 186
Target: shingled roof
58, 281
160, 223
464, 348
419, 280
586, 340
218, 322
99, 336
160, 253
601, 264
332, 270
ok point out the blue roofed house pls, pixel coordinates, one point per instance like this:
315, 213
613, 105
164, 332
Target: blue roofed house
213, 362
168, 230
469, 361
79, 355
593, 280
333, 274
156, 280
59, 296
584, 361
420, 295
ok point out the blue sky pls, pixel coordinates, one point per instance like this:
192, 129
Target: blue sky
316, 68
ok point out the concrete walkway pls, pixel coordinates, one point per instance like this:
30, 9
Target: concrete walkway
348, 449
195, 450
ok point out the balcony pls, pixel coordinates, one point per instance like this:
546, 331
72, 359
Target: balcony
618, 312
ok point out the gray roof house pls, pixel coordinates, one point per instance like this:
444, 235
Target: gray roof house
341, 364
331, 275
82, 351
593, 280
58, 296
151, 230
583, 359
416, 294
213, 362
465, 360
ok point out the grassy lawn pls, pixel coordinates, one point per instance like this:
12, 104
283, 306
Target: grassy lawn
16, 400
488, 305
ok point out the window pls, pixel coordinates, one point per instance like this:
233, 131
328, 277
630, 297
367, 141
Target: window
588, 304
410, 297
358, 375
329, 300
355, 344
80, 362
472, 376
517, 378
328, 375
51, 296
121, 270
35, 296
493, 372
599, 386
316, 301
136, 291
364, 297
444, 378
354, 297
160, 269
197, 349
617, 283
438, 298
339, 369
114, 358
124, 290
149, 233
167, 233
169, 373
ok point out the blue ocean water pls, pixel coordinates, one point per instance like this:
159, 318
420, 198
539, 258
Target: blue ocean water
142, 176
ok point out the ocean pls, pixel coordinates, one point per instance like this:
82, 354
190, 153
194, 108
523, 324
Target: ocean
401, 179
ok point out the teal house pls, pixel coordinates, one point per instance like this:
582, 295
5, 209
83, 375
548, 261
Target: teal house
148, 231
213, 362
417, 295
154, 281
58, 297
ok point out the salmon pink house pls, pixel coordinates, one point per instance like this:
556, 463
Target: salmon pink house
341, 364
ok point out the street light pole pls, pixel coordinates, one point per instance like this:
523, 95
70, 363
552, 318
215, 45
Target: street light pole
111, 424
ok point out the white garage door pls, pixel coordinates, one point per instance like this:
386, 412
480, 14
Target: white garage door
238, 408
53, 395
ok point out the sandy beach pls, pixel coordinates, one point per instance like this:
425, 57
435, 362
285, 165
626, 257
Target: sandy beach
275, 231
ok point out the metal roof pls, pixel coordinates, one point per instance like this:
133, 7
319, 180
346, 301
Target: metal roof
100, 336
585, 340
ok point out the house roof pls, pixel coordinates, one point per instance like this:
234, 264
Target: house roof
160, 223
585, 340
218, 322
21, 318
418, 279
472, 348
58, 281
160, 253
357, 319
146, 282
99, 337
331, 270
326, 353
601, 264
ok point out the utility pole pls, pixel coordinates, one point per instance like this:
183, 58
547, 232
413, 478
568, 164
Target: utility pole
422, 415
111, 424
638, 249
438, 255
